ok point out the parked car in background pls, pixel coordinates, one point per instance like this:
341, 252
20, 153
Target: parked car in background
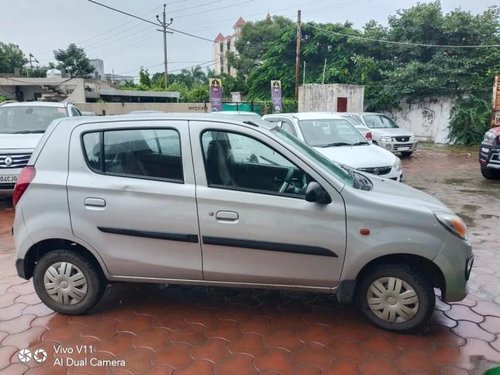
339, 141
163, 198
489, 154
386, 133
21, 127
365, 130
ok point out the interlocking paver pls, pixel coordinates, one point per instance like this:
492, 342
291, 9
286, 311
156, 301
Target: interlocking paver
159, 329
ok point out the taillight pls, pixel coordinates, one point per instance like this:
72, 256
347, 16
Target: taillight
23, 181
369, 136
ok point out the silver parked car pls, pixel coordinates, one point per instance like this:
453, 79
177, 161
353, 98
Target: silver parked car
386, 133
340, 141
21, 127
173, 198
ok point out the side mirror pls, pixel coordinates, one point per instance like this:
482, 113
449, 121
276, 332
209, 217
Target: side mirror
315, 193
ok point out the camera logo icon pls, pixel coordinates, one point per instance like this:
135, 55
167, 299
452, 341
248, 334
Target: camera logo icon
25, 355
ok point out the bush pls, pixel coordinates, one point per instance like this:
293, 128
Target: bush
469, 120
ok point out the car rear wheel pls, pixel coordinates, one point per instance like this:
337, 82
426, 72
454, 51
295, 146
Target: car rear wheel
490, 173
395, 298
406, 153
68, 282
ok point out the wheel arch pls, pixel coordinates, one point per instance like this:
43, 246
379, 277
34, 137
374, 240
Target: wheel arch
43, 247
423, 265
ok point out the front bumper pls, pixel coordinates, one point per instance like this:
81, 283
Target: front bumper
489, 156
395, 146
455, 261
8, 178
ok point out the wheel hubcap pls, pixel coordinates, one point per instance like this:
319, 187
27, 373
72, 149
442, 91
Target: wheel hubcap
392, 299
65, 283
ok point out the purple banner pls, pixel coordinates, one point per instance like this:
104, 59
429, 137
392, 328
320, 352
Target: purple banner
215, 94
276, 96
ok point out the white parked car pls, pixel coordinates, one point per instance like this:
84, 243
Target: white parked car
21, 127
339, 141
386, 133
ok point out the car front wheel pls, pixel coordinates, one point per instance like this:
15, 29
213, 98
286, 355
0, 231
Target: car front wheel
395, 298
68, 282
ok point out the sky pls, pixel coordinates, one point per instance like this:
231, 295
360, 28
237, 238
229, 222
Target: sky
125, 44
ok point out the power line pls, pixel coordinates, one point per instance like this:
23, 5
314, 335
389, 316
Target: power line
214, 9
405, 43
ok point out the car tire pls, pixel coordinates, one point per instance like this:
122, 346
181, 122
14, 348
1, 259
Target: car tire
395, 298
490, 174
406, 153
68, 282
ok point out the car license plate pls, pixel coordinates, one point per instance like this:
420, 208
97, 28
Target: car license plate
8, 179
403, 149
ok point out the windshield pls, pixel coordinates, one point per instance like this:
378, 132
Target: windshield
379, 122
28, 119
330, 133
301, 147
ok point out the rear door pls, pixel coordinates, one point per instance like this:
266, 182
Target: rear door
132, 197
256, 226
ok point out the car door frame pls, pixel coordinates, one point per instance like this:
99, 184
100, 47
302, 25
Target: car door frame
197, 128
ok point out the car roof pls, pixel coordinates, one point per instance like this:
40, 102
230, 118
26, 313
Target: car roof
35, 104
308, 115
244, 113
182, 116
362, 113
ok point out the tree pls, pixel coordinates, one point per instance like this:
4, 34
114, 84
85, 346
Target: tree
11, 57
74, 61
144, 79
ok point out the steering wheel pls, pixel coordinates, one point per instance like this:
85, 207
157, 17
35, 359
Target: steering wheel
286, 180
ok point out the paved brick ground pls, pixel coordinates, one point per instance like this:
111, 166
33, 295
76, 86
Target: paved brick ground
186, 330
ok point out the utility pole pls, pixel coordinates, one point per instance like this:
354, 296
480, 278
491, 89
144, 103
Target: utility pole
297, 57
164, 26
324, 71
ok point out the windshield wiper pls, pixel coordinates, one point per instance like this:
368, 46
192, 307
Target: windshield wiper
359, 143
33, 131
336, 144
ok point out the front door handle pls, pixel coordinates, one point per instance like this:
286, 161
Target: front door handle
227, 216
94, 202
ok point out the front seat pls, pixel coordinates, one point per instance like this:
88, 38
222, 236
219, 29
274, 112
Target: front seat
218, 160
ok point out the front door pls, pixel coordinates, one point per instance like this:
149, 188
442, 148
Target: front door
132, 198
255, 224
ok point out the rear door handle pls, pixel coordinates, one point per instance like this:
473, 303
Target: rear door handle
227, 216
94, 202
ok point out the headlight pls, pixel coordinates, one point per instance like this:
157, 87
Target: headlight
489, 137
453, 223
386, 139
397, 164
413, 138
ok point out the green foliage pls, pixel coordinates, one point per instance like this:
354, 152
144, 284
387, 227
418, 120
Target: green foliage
3, 98
469, 120
198, 94
11, 57
74, 61
144, 79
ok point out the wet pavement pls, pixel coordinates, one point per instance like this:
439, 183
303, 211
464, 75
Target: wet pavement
155, 329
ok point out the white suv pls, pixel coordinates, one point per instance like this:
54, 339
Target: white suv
21, 127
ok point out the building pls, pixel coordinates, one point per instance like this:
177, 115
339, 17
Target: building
111, 78
224, 44
331, 98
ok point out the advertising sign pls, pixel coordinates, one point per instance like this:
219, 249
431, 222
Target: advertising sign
215, 94
276, 96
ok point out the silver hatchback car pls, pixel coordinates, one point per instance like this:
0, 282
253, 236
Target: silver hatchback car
221, 201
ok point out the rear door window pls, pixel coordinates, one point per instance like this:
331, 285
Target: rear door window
139, 153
